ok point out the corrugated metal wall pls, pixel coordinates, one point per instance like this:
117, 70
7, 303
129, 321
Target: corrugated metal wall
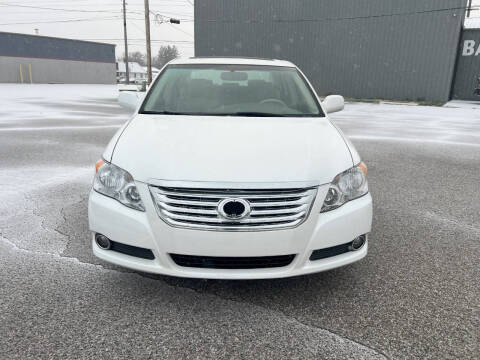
24, 45
55, 71
467, 77
387, 49
55, 60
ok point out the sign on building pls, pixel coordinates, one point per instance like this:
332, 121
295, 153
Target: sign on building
467, 76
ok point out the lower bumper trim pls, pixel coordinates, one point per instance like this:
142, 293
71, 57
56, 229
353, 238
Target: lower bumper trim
332, 251
131, 250
214, 262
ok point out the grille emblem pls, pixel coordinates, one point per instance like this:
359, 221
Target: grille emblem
234, 208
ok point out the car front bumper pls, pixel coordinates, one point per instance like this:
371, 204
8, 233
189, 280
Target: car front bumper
148, 231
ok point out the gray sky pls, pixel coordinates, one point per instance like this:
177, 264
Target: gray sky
475, 16
101, 20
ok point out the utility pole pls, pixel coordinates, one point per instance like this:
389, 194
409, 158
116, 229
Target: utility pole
149, 50
127, 70
160, 19
469, 8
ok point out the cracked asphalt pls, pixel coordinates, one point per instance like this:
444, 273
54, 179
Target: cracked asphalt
416, 295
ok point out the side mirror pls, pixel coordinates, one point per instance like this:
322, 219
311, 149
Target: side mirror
130, 99
333, 103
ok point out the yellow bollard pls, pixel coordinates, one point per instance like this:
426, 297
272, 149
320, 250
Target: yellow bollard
21, 74
30, 72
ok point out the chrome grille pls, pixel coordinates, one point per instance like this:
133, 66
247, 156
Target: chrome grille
196, 208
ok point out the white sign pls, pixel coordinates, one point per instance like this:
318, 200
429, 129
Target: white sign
469, 47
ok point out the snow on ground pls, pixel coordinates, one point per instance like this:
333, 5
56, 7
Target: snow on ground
463, 104
459, 125
62, 106
36, 117
50, 137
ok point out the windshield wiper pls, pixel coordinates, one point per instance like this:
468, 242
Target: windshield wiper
240, 113
255, 114
165, 112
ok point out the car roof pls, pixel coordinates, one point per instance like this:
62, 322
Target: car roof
232, 61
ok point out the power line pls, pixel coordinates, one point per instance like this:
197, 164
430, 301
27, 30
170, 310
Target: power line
110, 3
89, 11
54, 9
166, 18
183, 31
337, 18
62, 21
141, 39
169, 13
117, 17
47, 2
242, 21
138, 27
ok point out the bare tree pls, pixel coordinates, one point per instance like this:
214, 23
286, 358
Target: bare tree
135, 56
138, 57
165, 54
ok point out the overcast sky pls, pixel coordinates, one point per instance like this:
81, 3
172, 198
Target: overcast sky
101, 20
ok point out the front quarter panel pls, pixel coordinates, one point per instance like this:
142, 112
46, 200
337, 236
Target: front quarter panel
353, 152
108, 152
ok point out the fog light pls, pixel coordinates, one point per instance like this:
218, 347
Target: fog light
357, 243
102, 241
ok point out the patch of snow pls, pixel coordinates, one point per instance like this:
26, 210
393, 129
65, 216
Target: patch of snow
463, 104
50, 128
129, 87
26, 179
75, 105
31, 202
423, 124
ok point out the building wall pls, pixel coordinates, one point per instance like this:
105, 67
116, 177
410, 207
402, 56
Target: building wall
467, 77
388, 49
56, 71
55, 60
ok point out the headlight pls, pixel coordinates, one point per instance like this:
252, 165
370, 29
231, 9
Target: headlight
118, 184
348, 185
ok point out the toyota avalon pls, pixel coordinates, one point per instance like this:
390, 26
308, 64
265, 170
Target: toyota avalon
230, 168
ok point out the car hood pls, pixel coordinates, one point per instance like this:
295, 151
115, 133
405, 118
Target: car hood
231, 149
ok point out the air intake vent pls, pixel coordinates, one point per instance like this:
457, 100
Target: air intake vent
211, 262
265, 209
132, 250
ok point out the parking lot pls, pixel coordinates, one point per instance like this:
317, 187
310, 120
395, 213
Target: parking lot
416, 295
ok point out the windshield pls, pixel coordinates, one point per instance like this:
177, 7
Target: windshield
235, 90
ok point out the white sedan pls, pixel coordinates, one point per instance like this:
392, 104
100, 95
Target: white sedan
231, 169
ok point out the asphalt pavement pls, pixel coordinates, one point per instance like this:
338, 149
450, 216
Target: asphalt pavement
416, 294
